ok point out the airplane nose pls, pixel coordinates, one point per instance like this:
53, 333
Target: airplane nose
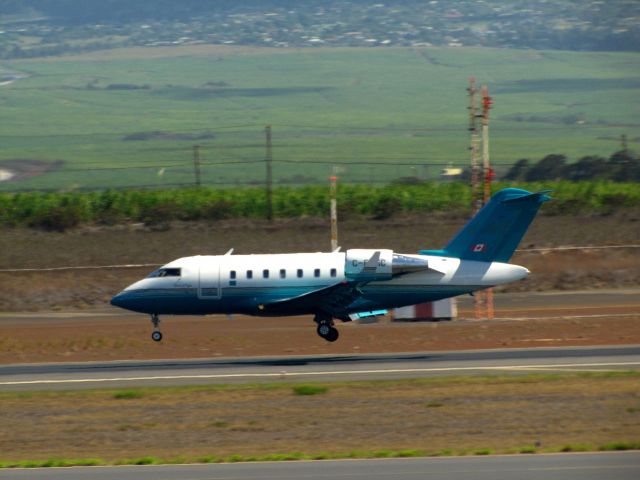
132, 300
119, 300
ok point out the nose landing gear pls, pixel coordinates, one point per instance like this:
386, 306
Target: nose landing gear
325, 328
156, 335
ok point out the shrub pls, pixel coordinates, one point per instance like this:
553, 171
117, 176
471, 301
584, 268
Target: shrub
309, 390
127, 395
386, 206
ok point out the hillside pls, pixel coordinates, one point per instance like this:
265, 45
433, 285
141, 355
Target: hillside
32, 28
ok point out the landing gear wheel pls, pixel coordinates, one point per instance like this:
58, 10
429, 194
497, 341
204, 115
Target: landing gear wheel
329, 333
156, 336
324, 329
333, 335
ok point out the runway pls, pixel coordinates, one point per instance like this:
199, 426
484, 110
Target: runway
580, 466
319, 367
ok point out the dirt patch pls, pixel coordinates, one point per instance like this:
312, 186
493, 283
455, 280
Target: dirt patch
160, 135
22, 169
21, 248
97, 336
433, 415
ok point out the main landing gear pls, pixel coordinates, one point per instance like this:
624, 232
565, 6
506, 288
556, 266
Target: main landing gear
325, 328
156, 335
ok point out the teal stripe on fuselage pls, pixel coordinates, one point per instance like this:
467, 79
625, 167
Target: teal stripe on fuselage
247, 299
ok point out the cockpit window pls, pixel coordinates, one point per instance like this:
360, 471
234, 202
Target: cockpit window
165, 272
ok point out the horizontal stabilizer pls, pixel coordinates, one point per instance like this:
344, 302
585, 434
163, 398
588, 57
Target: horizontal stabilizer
538, 197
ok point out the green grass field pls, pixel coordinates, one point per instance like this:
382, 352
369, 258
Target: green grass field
584, 411
387, 113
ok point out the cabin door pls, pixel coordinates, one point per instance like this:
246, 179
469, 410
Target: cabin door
209, 281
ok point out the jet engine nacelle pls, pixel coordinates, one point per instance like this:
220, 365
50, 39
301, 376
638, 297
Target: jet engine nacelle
367, 265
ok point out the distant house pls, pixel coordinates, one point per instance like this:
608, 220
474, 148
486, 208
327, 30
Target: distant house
451, 173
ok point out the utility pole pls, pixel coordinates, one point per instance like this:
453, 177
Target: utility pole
623, 143
269, 179
333, 190
196, 163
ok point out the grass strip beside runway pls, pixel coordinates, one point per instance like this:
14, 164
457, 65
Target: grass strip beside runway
400, 418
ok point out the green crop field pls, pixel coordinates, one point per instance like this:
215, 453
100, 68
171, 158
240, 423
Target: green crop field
380, 113
58, 211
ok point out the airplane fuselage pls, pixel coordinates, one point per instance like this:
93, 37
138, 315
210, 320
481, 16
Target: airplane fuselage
202, 285
341, 285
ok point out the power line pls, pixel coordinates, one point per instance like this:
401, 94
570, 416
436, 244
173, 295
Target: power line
391, 163
503, 127
143, 265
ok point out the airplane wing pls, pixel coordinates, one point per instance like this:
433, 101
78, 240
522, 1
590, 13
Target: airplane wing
332, 300
335, 299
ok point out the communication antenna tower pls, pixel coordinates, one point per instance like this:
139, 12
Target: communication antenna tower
488, 174
481, 177
476, 199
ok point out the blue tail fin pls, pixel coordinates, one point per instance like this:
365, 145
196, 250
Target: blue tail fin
494, 233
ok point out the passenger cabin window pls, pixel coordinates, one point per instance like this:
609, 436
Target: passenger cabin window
283, 273
165, 272
333, 272
316, 272
300, 273
265, 273
232, 274
249, 274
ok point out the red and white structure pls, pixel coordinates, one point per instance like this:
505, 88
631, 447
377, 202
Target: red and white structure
446, 309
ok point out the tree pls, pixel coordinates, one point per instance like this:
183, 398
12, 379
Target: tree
550, 167
587, 168
518, 171
625, 167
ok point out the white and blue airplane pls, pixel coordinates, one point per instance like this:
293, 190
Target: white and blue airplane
341, 285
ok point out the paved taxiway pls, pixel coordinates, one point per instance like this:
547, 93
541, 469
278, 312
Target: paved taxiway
321, 367
580, 466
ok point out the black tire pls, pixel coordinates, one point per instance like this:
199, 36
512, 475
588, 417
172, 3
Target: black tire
156, 336
333, 335
324, 329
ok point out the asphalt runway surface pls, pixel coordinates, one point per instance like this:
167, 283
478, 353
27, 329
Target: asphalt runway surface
560, 299
577, 466
319, 367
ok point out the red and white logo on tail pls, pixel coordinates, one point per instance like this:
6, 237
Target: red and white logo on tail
478, 247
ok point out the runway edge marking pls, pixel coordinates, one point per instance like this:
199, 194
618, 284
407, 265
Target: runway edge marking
308, 374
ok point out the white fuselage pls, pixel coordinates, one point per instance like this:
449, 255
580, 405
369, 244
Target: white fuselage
244, 283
